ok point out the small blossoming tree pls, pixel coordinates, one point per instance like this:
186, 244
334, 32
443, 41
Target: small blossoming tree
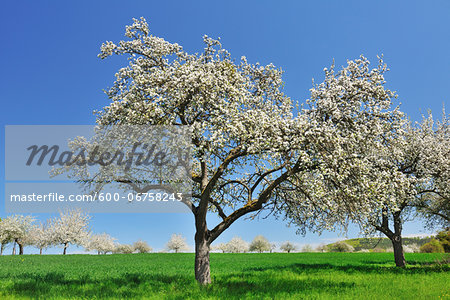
72, 227
260, 244
102, 243
16, 228
177, 243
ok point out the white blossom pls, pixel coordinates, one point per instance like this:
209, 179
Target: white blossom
142, 247
288, 247
71, 227
252, 149
40, 236
123, 249
102, 243
177, 243
16, 228
260, 244
236, 245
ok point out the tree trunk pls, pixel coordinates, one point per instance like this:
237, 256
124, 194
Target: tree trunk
65, 249
397, 240
398, 251
1, 249
40, 251
202, 268
396, 235
14, 248
20, 248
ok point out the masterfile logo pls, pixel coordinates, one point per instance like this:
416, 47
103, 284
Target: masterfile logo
103, 168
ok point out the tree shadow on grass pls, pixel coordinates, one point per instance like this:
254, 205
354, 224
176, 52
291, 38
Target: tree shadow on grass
264, 285
134, 285
57, 284
257, 282
367, 267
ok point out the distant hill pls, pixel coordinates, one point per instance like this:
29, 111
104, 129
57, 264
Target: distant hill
384, 243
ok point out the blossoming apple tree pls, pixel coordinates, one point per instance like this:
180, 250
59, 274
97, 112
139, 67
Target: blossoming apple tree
72, 227
16, 228
421, 160
260, 244
251, 147
177, 243
40, 236
102, 243
406, 168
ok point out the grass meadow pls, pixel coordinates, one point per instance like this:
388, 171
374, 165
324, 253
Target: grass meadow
234, 276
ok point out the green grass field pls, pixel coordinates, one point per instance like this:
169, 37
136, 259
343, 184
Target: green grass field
235, 276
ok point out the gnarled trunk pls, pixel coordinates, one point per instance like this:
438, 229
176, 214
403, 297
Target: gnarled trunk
40, 251
65, 248
202, 267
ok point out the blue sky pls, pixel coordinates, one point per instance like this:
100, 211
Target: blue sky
50, 73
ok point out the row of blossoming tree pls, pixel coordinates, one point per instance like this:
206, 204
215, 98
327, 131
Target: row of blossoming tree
71, 227
347, 154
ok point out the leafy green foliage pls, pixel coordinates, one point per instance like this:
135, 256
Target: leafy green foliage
432, 247
444, 238
341, 247
384, 243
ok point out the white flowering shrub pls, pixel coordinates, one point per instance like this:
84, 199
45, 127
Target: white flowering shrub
341, 247
102, 243
177, 243
412, 248
260, 244
142, 247
307, 248
236, 245
123, 249
288, 247
322, 248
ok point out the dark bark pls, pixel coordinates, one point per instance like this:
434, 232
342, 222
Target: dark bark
202, 267
397, 240
395, 236
20, 248
65, 248
398, 251
40, 251
203, 236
